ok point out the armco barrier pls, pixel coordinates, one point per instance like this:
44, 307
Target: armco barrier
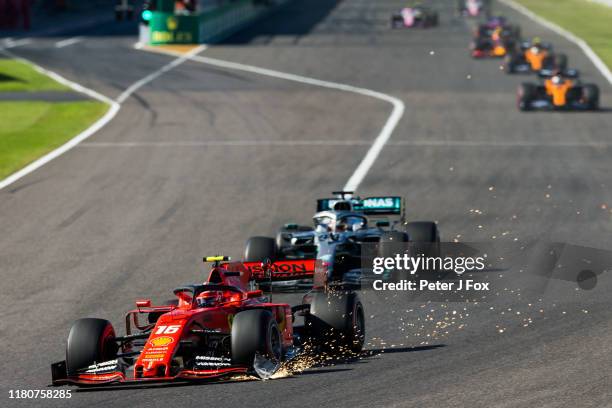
208, 26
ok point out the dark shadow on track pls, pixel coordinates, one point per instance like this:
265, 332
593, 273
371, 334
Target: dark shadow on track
297, 18
315, 369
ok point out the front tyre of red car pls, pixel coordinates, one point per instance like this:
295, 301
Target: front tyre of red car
90, 341
257, 342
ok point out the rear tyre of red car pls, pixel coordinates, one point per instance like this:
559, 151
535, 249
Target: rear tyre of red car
336, 322
256, 342
90, 341
258, 249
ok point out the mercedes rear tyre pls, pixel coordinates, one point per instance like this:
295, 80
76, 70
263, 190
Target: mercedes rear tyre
424, 238
336, 322
391, 243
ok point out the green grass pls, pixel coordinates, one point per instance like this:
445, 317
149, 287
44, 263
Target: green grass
588, 20
29, 130
20, 76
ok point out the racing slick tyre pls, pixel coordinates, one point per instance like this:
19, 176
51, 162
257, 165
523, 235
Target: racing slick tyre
257, 342
590, 94
397, 21
424, 237
90, 341
336, 322
258, 249
510, 64
525, 94
423, 231
391, 243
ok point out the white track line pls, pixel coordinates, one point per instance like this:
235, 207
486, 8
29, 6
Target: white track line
366, 163
213, 143
349, 143
10, 43
603, 2
67, 42
599, 64
173, 64
115, 105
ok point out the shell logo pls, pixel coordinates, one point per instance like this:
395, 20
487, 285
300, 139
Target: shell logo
171, 23
161, 341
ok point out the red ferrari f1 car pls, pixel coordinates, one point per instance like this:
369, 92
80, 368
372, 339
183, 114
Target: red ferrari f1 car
221, 327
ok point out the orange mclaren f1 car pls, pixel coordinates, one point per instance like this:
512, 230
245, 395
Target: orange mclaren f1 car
533, 56
557, 91
214, 329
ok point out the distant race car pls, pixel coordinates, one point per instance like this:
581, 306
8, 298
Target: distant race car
417, 16
558, 91
222, 327
474, 8
341, 225
495, 38
533, 56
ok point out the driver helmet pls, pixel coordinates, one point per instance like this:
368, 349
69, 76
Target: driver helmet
536, 43
496, 35
341, 225
209, 298
557, 78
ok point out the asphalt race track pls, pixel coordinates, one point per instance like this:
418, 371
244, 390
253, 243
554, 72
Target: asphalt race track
203, 157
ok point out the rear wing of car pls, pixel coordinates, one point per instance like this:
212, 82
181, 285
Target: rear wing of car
379, 205
544, 45
568, 73
282, 270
